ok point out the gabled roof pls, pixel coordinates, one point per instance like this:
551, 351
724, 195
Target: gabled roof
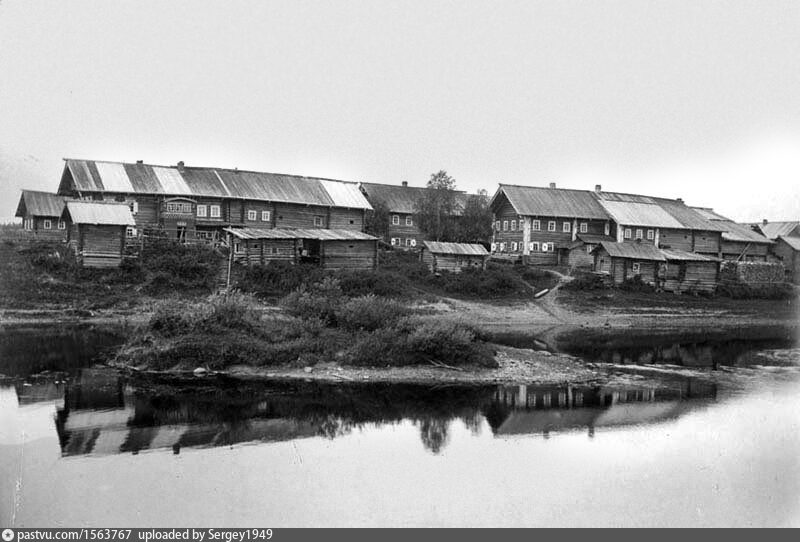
741, 233
105, 214
540, 201
465, 249
773, 230
710, 214
289, 233
687, 216
792, 241
637, 251
637, 213
403, 199
35, 203
118, 177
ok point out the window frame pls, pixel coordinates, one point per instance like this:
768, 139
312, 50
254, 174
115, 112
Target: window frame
639, 233
212, 209
319, 221
636, 268
202, 210
62, 224
252, 215
534, 246
395, 220
551, 225
47, 224
409, 221
566, 227
537, 225
496, 225
505, 225
266, 216
627, 234
651, 235
513, 226
584, 227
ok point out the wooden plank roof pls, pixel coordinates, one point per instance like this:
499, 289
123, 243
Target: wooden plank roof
105, 214
636, 251
741, 233
403, 199
773, 230
465, 249
540, 201
299, 233
683, 256
649, 215
792, 241
36, 203
119, 177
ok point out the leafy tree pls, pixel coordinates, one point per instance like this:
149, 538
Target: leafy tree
377, 221
436, 207
475, 224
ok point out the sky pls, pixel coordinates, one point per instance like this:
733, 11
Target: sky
692, 99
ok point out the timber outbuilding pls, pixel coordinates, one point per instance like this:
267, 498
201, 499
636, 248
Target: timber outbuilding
330, 249
787, 249
41, 214
688, 272
624, 261
453, 257
96, 231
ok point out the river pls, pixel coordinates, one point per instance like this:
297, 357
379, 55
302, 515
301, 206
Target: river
82, 445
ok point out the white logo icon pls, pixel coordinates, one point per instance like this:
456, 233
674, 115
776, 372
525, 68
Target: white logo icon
8, 535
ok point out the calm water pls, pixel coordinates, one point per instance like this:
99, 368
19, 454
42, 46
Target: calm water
83, 445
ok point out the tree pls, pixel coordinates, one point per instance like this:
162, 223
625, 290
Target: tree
377, 221
475, 224
436, 207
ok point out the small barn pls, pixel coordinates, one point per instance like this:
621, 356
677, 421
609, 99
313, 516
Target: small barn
41, 214
579, 252
453, 257
688, 272
96, 231
624, 261
331, 249
787, 248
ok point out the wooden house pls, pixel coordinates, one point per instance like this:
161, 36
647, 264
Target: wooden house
41, 214
97, 231
739, 242
579, 253
331, 249
401, 201
787, 249
537, 224
453, 257
773, 230
625, 261
687, 272
198, 202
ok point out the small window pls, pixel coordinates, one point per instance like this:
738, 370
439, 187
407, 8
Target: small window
409, 221
521, 224
566, 227
607, 229
639, 233
513, 225
267, 215
628, 233
135, 207
215, 211
408, 241
497, 226
651, 234
505, 225
130, 231
513, 246
502, 247
394, 241
551, 226
584, 227
494, 247
637, 268
395, 220
252, 215
318, 221
237, 246
534, 247
202, 211
62, 225
544, 247
48, 224
537, 225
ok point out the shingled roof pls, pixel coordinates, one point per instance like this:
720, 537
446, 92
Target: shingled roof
99, 213
461, 249
119, 177
540, 201
403, 199
773, 230
35, 203
637, 251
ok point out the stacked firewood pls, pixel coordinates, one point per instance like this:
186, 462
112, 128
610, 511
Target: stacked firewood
751, 272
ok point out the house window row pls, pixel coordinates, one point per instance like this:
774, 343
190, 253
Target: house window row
266, 216
514, 246
396, 220
398, 242
47, 224
179, 207
204, 210
628, 234
536, 225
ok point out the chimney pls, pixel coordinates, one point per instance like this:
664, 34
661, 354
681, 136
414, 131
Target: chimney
140, 161
765, 222
180, 165
679, 200
404, 183
552, 185
598, 188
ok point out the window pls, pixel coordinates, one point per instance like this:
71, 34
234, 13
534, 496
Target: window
566, 227
266, 216
395, 241
505, 225
537, 225
251, 215
513, 225
651, 234
413, 242
318, 221
497, 225
513, 246
639, 233
607, 229
494, 247
544, 247
409, 221
584, 227
637, 268
534, 246
551, 226
237, 246
135, 207
627, 233
48, 224
179, 207
395, 220
202, 211
62, 225
28, 224
408, 241
521, 225
130, 231
502, 247
214, 211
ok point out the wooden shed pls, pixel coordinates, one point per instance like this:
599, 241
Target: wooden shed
787, 248
331, 249
624, 261
688, 272
96, 231
41, 214
579, 253
453, 257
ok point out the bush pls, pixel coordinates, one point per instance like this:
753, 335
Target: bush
234, 310
277, 278
494, 281
173, 265
321, 300
369, 313
636, 284
753, 291
379, 282
588, 281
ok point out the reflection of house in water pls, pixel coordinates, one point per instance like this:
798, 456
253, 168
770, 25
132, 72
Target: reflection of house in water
519, 410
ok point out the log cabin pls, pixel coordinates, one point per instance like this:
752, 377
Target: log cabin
41, 215
453, 257
787, 249
401, 201
189, 203
688, 272
740, 242
330, 249
96, 231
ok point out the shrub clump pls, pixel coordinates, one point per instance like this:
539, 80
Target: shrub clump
369, 313
320, 301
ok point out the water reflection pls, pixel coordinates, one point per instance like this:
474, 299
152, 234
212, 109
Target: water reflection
99, 412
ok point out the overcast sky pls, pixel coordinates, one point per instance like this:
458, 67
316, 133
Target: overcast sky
694, 99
